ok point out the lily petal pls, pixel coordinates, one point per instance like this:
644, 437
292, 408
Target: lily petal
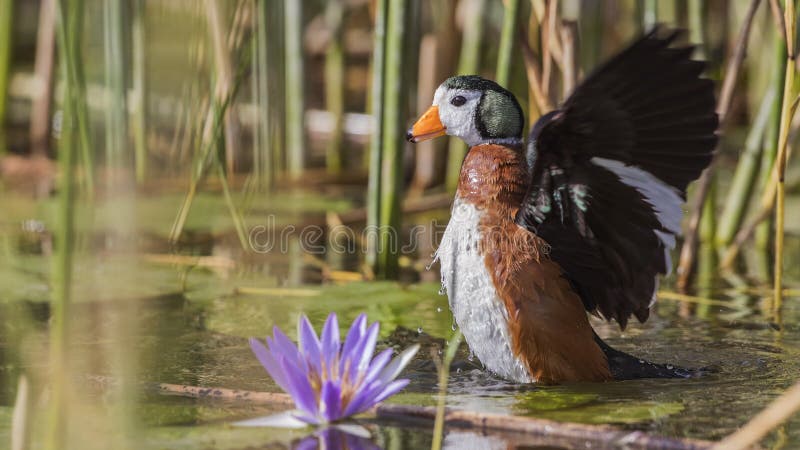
397, 365
392, 388
330, 342
330, 401
284, 419
270, 364
300, 388
368, 346
309, 343
357, 329
281, 344
377, 365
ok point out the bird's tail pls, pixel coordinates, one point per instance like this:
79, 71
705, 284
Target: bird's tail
627, 367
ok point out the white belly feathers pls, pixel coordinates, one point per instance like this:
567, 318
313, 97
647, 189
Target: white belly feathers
477, 309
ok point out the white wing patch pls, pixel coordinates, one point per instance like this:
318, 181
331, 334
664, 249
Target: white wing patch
665, 200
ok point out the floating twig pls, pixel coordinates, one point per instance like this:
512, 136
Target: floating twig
453, 418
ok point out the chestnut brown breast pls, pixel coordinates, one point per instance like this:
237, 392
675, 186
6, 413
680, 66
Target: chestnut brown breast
547, 322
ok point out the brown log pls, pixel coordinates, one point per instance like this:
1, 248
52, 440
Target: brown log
602, 436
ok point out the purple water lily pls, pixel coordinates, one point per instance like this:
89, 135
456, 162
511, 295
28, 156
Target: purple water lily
329, 380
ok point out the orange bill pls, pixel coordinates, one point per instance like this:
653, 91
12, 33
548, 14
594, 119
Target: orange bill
427, 127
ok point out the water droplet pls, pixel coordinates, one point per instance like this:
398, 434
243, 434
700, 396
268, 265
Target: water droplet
419, 330
458, 370
442, 291
438, 309
670, 366
641, 361
453, 326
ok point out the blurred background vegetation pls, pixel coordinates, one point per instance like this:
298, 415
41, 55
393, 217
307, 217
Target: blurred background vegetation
143, 142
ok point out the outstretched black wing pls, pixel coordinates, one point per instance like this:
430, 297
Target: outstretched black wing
609, 172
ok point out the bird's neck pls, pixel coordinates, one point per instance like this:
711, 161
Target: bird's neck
494, 176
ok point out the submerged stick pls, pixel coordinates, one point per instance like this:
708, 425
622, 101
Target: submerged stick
602, 434
689, 248
777, 412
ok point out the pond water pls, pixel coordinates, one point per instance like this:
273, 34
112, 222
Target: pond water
189, 325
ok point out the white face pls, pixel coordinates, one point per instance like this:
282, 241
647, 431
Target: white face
459, 120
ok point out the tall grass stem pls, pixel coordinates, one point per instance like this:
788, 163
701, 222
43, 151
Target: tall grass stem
262, 160
393, 139
468, 63
42, 105
507, 38
116, 71
6, 17
64, 233
742, 184
295, 99
335, 84
441, 400
140, 98
787, 112
376, 140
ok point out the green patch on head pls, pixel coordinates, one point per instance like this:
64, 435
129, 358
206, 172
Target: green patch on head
499, 115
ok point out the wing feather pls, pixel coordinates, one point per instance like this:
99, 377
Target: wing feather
609, 172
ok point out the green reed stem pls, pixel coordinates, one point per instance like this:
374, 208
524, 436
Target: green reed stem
295, 120
742, 184
468, 63
277, 83
444, 377
40, 131
763, 233
697, 20
139, 42
334, 84
787, 112
507, 38
74, 63
650, 14
203, 159
393, 140
262, 160
376, 141
116, 69
236, 216
64, 234
6, 16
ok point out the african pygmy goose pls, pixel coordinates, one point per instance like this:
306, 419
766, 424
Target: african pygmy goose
581, 218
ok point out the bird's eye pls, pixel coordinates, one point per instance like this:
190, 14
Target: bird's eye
458, 100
